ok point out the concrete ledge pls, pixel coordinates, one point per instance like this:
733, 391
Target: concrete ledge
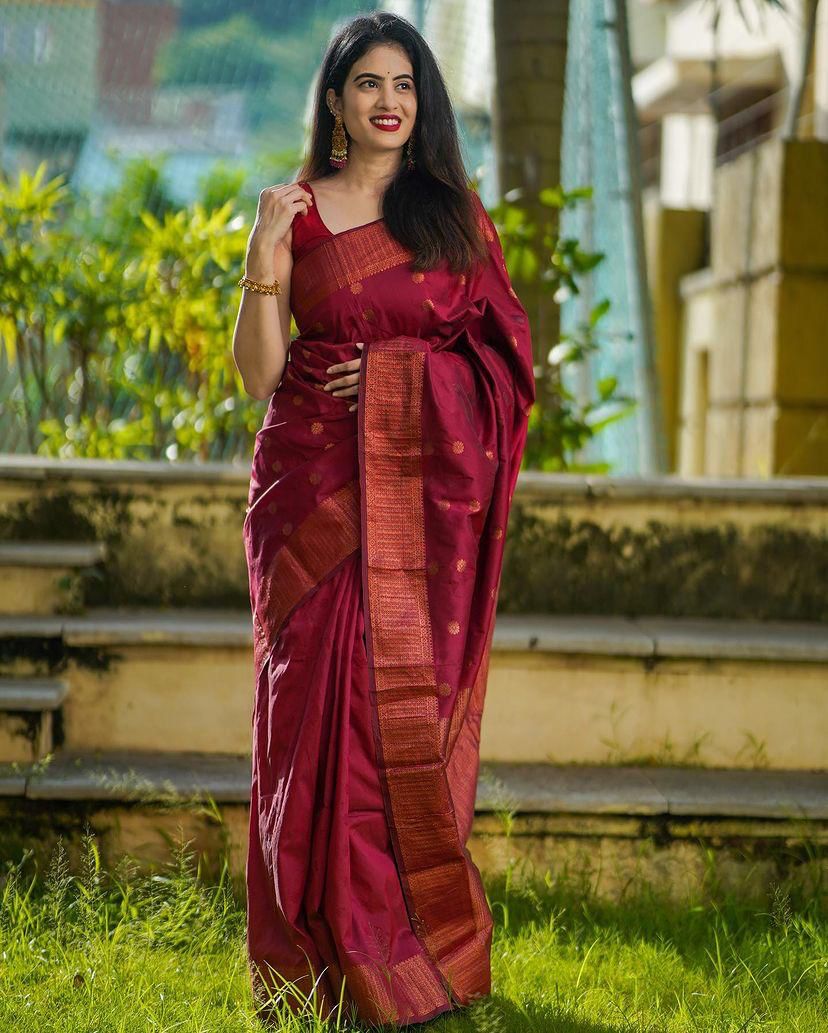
35, 694
51, 554
137, 627
43, 468
654, 638
142, 776
615, 636
779, 490
790, 490
696, 792
522, 788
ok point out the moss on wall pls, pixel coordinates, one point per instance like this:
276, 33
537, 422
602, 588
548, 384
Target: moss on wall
164, 547
180, 544
766, 572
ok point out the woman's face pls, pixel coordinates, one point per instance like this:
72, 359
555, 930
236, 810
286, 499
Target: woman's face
380, 83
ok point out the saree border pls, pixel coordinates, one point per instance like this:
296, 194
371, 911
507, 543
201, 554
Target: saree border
442, 888
327, 536
408, 991
342, 261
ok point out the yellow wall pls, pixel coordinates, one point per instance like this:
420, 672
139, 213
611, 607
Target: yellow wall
754, 379
675, 242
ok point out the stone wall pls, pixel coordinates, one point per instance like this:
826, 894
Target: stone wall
575, 545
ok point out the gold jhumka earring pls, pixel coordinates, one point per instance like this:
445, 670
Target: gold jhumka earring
339, 145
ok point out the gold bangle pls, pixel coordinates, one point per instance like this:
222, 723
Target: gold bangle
260, 288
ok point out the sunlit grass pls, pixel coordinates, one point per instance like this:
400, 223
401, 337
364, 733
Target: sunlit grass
123, 950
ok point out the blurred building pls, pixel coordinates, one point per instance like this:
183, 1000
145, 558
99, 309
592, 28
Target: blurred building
713, 93
736, 224
48, 81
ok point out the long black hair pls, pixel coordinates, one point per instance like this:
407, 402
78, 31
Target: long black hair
429, 209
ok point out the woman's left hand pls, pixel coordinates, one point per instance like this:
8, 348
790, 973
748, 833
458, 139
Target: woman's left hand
347, 385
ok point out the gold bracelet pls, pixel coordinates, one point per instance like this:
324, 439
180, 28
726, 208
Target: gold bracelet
260, 288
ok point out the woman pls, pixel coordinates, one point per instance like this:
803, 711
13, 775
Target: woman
380, 491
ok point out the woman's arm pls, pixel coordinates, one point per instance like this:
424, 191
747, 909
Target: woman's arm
262, 332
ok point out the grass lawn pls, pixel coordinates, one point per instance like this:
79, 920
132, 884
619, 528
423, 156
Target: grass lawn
96, 950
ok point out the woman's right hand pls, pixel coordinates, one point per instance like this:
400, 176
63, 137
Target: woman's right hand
278, 205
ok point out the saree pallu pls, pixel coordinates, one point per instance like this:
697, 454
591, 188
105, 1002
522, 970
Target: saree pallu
374, 543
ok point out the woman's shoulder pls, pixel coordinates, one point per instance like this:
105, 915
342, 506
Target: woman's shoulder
305, 228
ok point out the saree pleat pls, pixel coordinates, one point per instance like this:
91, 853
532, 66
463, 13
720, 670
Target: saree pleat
374, 542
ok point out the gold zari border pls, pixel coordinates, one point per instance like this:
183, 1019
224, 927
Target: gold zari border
341, 261
443, 889
328, 535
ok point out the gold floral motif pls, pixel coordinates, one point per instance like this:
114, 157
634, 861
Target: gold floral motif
497, 532
368, 315
460, 564
474, 505
429, 304
443, 504
513, 341
418, 277
433, 567
489, 454
458, 447
314, 477
317, 427
462, 279
297, 399
444, 689
356, 288
277, 466
453, 627
329, 445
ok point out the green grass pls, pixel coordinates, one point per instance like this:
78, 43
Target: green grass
124, 950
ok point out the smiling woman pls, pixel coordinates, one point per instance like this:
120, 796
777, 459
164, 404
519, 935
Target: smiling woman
374, 543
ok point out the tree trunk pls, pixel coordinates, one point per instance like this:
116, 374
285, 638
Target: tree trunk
530, 66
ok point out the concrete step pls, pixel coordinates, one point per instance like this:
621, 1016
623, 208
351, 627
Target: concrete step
684, 831
44, 577
566, 690
27, 706
622, 790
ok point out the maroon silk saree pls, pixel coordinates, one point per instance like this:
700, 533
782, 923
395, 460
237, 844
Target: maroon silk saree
374, 544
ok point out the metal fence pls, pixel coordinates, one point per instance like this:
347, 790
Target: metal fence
590, 157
